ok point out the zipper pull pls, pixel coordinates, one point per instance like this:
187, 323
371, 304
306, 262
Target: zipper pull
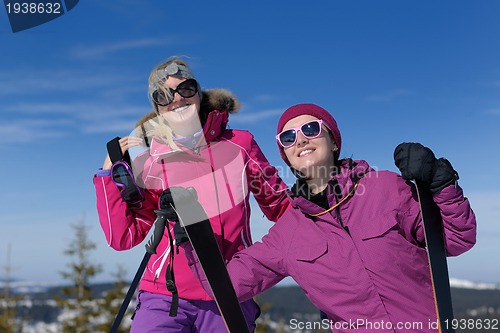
346, 228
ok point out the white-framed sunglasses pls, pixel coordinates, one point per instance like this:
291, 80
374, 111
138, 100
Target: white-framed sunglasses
310, 129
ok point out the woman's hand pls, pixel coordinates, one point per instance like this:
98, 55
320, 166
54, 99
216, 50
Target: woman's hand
126, 143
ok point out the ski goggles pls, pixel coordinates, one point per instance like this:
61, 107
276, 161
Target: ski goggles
186, 89
124, 179
311, 130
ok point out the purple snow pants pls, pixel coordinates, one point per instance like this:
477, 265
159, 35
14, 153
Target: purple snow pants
152, 315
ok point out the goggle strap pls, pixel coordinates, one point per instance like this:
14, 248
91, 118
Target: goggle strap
115, 151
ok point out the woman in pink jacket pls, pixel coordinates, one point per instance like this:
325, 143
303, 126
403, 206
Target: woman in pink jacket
354, 239
189, 145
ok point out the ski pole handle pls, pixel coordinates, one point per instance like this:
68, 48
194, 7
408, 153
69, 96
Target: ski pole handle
160, 223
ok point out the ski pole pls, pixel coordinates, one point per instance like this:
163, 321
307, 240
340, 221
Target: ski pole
152, 244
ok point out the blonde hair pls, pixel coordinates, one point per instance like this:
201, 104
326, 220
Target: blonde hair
153, 125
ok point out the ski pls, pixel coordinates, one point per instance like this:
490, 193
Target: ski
204, 243
436, 252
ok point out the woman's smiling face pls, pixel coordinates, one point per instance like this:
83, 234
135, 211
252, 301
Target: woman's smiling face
311, 157
182, 115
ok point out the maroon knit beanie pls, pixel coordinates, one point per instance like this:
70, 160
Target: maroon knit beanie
315, 111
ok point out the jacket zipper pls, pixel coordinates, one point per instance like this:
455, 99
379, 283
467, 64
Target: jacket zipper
338, 196
346, 228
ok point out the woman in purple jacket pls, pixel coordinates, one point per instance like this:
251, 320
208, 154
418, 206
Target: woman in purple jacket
354, 241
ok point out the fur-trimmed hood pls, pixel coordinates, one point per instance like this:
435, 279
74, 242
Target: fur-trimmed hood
215, 106
219, 99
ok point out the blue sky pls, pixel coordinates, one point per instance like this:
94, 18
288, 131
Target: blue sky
389, 71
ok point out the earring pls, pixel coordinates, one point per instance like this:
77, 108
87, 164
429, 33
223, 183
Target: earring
335, 149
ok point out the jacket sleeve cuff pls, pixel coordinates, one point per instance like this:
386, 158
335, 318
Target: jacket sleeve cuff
103, 173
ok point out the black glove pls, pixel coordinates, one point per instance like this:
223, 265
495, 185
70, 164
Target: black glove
444, 175
180, 234
418, 163
177, 195
187, 207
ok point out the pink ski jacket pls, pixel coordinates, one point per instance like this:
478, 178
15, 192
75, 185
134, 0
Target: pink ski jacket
223, 172
372, 273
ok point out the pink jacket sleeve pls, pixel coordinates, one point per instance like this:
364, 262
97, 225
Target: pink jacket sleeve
266, 185
123, 226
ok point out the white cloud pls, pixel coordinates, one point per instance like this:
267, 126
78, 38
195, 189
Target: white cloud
389, 96
493, 111
490, 83
28, 130
30, 83
34, 121
265, 98
486, 206
56, 103
249, 116
81, 110
119, 126
88, 51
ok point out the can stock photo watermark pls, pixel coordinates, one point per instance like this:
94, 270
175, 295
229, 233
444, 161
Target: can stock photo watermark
25, 15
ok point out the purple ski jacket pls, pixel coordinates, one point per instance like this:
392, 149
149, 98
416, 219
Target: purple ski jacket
369, 275
223, 172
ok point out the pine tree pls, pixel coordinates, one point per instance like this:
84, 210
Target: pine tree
82, 309
263, 322
7, 305
111, 302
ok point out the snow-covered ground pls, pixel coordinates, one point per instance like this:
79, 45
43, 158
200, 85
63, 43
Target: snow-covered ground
465, 284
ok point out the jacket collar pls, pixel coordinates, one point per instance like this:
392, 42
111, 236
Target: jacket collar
214, 126
351, 171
